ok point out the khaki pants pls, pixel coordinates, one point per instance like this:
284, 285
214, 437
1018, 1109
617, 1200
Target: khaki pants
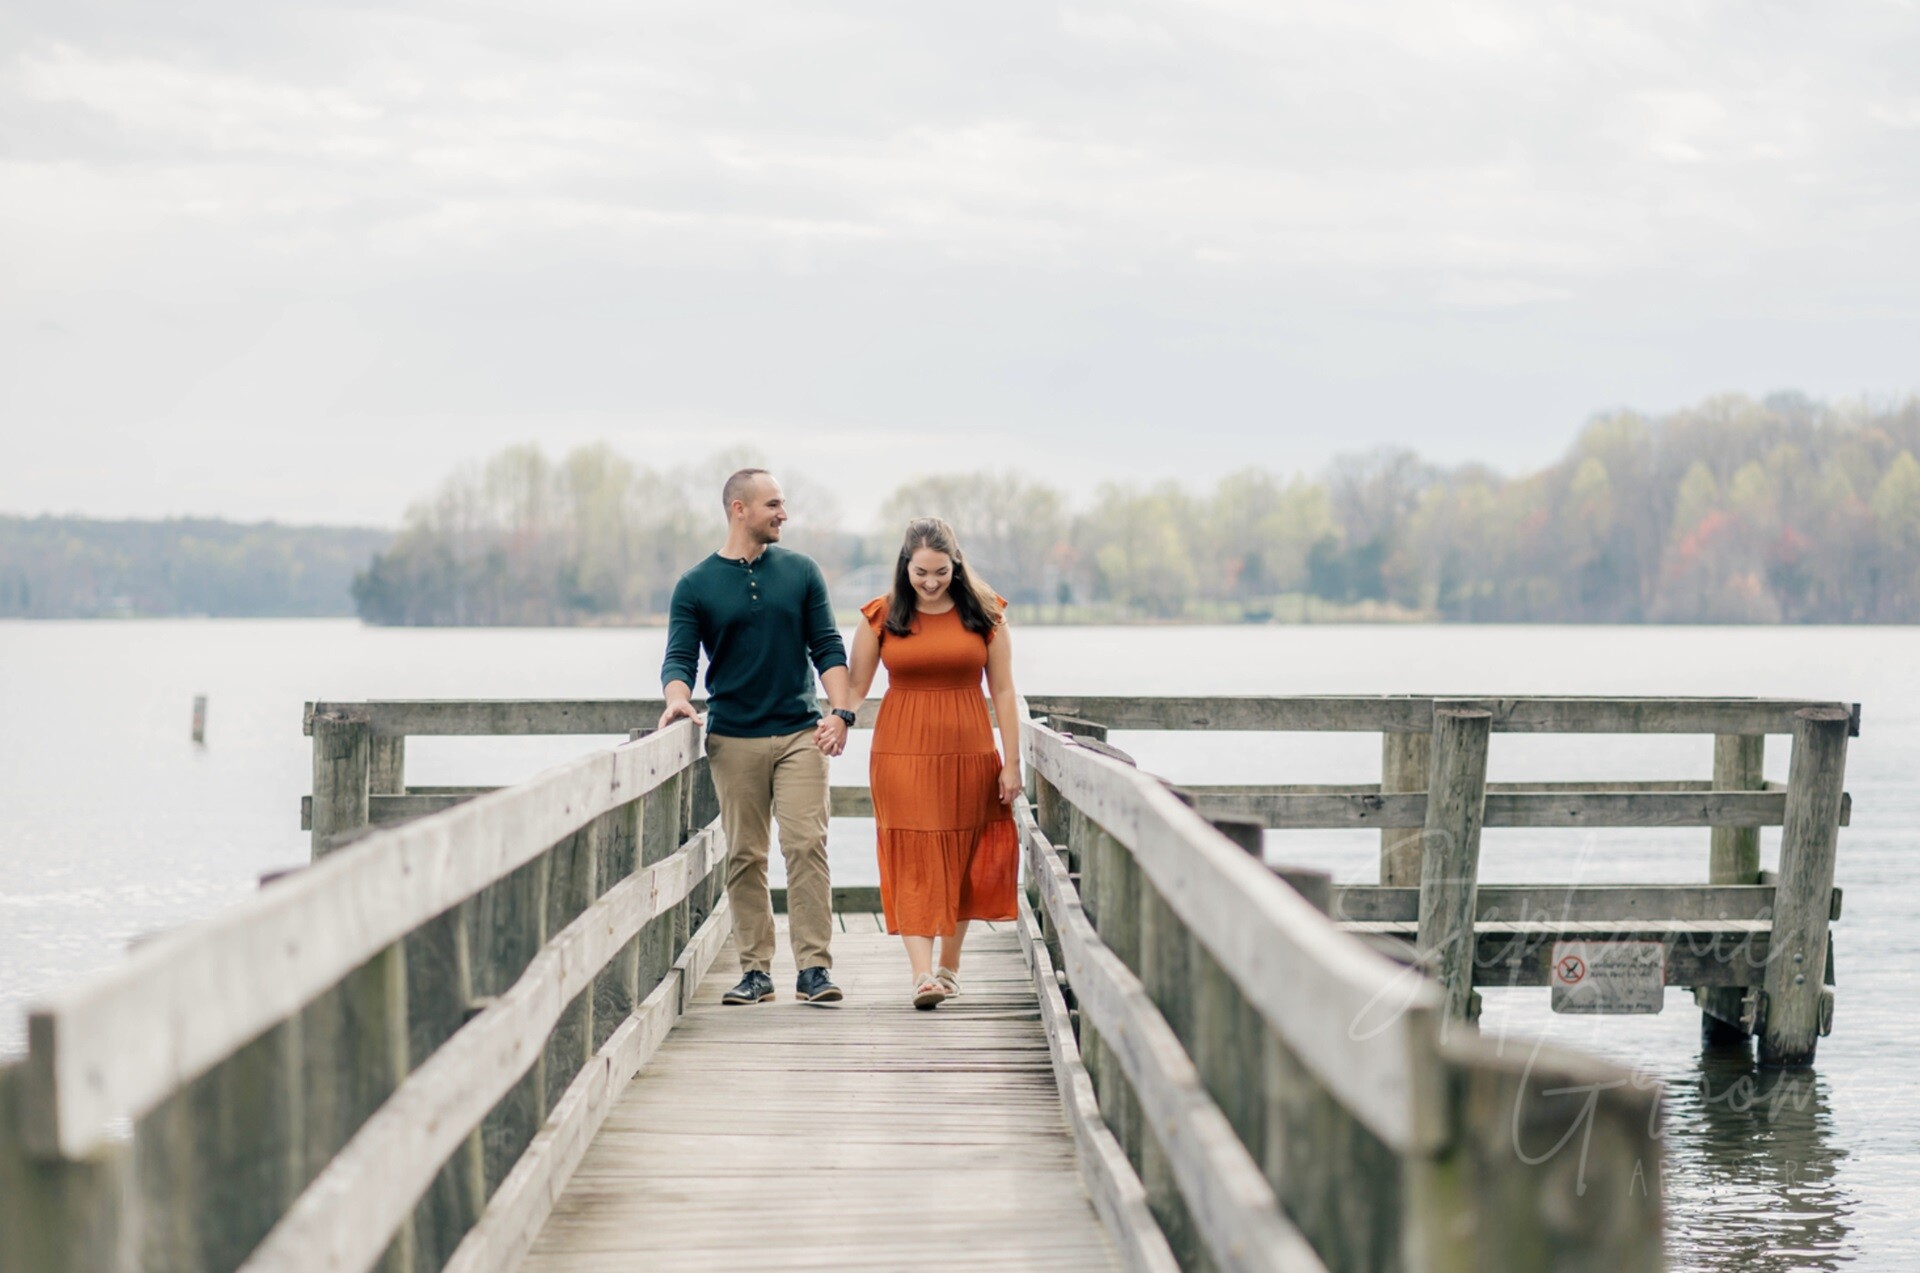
758, 780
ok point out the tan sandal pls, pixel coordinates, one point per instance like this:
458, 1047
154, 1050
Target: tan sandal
928, 992
950, 980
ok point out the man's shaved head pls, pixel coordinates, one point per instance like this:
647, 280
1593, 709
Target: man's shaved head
740, 487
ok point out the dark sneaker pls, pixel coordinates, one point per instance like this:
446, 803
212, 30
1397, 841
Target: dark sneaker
755, 987
815, 986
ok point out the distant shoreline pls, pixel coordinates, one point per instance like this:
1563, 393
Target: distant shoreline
847, 619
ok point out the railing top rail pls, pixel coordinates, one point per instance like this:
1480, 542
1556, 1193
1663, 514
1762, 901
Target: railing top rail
1377, 713
1363, 1024
117, 1043
530, 717
1413, 714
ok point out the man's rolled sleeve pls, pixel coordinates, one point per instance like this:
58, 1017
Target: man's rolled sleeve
823, 638
683, 638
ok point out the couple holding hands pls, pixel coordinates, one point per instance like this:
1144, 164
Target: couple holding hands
942, 797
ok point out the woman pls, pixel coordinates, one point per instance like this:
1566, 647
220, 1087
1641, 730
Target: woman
941, 795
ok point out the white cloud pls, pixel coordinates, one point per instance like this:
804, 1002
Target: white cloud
1306, 227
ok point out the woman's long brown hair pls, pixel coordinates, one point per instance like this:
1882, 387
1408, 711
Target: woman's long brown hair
979, 607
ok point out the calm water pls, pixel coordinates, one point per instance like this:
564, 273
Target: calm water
113, 824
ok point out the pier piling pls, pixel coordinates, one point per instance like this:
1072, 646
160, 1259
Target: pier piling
1450, 850
1809, 840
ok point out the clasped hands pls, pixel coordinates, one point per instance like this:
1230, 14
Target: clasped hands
830, 735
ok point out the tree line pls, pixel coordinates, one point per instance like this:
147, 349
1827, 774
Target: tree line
1734, 510
85, 568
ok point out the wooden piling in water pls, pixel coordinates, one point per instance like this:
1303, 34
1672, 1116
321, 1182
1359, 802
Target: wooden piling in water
1450, 850
1734, 858
342, 775
200, 718
1809, 841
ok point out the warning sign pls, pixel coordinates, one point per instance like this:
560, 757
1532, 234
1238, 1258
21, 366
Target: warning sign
1613, 976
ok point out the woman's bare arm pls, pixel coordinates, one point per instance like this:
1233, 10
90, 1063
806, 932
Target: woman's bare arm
864, 664
1006, 709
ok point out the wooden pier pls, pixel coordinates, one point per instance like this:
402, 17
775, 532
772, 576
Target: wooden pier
478, 1032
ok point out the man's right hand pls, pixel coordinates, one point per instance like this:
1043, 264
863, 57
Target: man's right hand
680, 711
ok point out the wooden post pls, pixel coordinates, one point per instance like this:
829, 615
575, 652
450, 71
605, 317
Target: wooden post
1808, 843
1228, 1032
353, 1041
1404, 762
617, 990
1734, 859
342, 770
1049, 812
1737, 760
572, 886
200, 719
1315, 886
1167, 976
58, 1216
509, 926
439, 996
219, 1161
387, 775
1450, 850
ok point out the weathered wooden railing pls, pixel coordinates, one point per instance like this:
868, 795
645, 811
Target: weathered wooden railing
387, 1059
1253, 1087
1753, 945
360, 767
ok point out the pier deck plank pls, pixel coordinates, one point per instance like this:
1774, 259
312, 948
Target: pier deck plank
862, 1136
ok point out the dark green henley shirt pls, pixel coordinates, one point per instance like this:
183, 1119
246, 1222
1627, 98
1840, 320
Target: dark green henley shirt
762, 622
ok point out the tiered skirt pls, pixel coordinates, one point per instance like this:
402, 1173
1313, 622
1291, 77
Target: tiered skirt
947, 846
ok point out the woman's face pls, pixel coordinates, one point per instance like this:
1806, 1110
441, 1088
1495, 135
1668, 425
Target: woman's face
930, 571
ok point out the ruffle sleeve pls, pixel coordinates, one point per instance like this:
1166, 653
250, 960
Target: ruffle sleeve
1001, 618
875, 613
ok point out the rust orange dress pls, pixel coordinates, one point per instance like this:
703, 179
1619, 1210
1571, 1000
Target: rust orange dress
947, 846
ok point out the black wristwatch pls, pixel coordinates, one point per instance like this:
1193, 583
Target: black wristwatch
844, 715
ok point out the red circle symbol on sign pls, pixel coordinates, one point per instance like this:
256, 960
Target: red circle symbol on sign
1570, 970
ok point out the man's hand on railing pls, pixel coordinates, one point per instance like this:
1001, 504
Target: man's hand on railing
682, 710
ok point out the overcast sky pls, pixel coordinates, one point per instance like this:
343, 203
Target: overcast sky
299, 260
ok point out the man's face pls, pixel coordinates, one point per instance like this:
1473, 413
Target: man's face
766, 511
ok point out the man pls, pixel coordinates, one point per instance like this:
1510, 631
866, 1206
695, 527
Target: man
762, 614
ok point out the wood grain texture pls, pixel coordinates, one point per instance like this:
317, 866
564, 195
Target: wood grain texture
1403, 767
1393, 811
1371, 714
1450, 851
1809, 843
380, 1173
1233, 1208
862, 1136
415, 717
115, 1044
342, 773
1310, 982
1555, 902
527, 1196
1733, 858
1117, 1193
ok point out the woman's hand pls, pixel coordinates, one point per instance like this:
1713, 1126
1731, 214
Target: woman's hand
1010, 784
830, 735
